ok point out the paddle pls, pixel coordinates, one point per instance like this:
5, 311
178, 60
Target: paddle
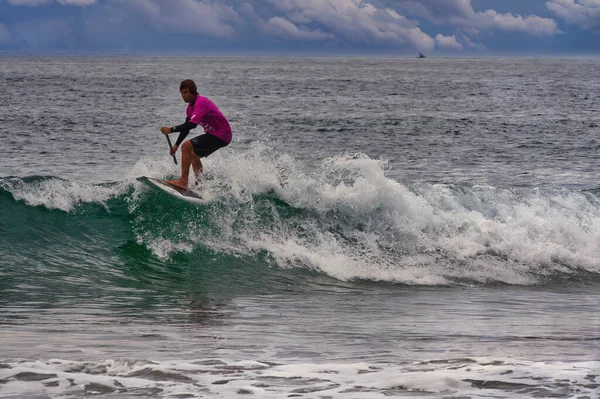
171, 148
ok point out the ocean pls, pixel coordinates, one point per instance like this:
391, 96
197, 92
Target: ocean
422, 228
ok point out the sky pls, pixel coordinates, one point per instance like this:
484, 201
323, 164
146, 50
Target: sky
328, 27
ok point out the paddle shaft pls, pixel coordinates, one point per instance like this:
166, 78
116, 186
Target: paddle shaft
171, 148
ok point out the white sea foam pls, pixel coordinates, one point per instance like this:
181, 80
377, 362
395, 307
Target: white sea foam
363, 224
356, 222
476, 378
55, 193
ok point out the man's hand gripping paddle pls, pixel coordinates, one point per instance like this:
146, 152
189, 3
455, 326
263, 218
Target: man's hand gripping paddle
171, 149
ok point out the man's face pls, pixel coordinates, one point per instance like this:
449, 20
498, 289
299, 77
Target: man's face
187, 96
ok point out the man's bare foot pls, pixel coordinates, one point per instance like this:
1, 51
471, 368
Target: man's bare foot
177, 183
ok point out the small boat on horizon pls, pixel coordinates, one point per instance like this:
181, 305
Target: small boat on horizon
421, 55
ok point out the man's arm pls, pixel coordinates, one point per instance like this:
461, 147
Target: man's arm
184, 130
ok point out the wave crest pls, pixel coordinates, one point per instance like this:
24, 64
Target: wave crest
346, 218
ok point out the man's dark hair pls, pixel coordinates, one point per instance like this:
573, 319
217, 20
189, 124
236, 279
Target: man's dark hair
190, 85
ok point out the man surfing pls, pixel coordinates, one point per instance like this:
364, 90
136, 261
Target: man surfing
217, 132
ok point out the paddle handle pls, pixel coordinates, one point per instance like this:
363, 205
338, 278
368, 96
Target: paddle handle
171, 148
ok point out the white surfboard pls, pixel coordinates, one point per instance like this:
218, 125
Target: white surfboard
186, 195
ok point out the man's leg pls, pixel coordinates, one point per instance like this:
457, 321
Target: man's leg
187, 156
197, 165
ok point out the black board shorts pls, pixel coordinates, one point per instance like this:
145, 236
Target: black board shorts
206, 144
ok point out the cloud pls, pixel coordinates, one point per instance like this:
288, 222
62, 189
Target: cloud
283, 28
448, 42
352, 23
81, 3
27, 2
208, 19
584, 13
39, 34
508, 22
33, 3
461, 13
439, 11
467, 36
345, 25
5, 35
